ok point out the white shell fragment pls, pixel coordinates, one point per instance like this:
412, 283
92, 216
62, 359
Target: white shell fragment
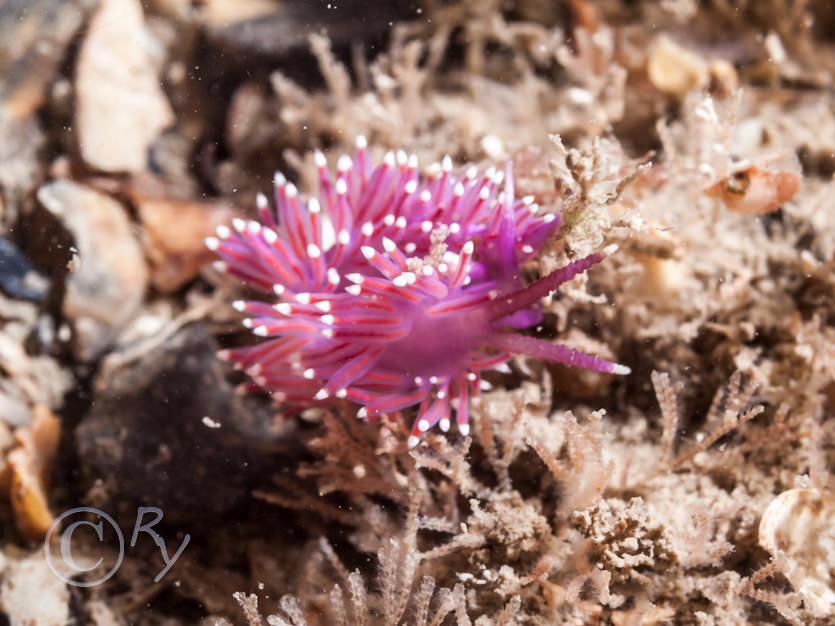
798, 528
120, 106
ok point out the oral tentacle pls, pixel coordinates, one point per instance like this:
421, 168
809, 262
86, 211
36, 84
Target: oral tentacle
531, 346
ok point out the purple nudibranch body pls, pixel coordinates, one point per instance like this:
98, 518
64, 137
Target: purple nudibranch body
393, 290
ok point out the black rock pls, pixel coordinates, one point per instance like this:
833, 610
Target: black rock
289, 27
168, 430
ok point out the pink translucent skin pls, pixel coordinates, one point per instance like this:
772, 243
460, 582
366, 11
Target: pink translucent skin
369, 309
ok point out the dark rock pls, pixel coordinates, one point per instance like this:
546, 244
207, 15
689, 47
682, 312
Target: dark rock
168, 430
289, 27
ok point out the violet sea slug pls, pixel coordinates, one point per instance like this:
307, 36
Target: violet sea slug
392, 290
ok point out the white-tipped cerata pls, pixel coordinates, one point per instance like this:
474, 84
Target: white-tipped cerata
270, 236
344, 164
